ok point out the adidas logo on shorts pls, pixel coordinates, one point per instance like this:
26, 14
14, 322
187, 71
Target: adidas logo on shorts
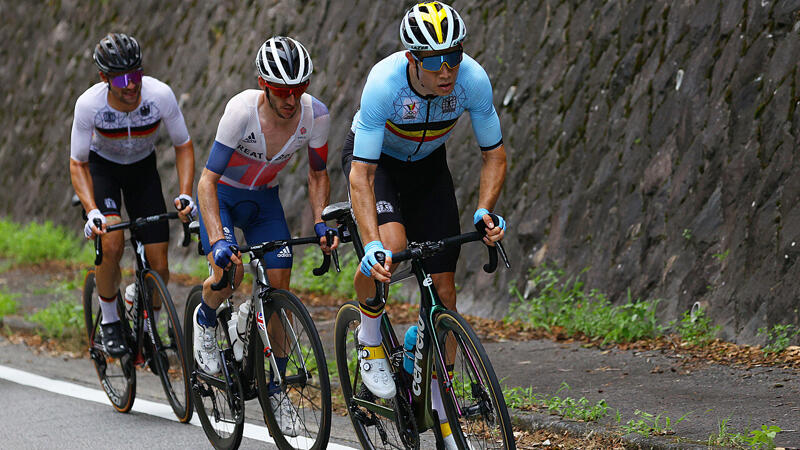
284, 253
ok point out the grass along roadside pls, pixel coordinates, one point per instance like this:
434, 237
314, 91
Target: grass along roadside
8, 303
38, 242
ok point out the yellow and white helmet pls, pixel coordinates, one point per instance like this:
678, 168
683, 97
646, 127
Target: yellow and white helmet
431, 26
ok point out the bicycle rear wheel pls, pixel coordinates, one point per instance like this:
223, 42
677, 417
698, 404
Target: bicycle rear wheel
378, 423
219, 407
305, 387
117, 375
475, 408
167, 347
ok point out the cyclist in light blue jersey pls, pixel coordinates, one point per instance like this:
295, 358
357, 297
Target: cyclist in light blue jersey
394, 159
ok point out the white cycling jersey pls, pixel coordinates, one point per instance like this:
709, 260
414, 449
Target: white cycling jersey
120, 137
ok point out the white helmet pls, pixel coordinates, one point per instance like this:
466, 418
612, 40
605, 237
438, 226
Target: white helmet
431, 26
283, 60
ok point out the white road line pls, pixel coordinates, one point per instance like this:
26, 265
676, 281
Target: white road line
163, 411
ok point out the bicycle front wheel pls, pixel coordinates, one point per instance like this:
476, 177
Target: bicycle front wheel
219, 406
167, 347
475, 406
117, 375
378, 423
298, 411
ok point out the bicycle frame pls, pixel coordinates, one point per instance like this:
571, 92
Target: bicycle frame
262, 291
428, 350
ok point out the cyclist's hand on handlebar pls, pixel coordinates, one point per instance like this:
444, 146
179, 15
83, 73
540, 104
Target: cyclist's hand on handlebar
319, 229
90, 229
189, 212
223, 255
494, 231
370, 266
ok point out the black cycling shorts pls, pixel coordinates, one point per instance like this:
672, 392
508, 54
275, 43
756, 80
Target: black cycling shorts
418, 194
139, 185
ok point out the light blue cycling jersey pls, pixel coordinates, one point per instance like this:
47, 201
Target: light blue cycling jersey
396, 120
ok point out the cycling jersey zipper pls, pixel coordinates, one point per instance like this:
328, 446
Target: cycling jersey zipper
424, 131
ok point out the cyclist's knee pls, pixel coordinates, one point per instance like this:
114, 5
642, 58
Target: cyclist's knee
446, 288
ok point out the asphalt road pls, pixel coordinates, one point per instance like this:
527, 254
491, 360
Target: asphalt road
55, 402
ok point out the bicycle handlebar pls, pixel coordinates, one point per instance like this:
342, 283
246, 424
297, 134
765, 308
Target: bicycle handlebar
259, 250
133, 225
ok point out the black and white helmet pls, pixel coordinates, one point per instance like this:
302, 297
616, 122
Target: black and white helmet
431, 26
117, 53
283, 60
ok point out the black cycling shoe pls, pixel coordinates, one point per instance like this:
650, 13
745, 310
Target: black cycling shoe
113, 341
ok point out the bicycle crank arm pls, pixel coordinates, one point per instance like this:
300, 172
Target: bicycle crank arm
389, 413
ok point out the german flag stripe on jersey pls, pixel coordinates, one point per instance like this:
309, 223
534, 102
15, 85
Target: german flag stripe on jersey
117, 133
415, 131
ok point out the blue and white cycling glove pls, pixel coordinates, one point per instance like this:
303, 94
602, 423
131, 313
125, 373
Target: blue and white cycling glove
369, 259
221, 252
321, 227
191, 204
93, 214
478, 217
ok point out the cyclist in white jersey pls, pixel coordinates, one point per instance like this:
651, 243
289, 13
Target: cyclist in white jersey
400, 185
112, 155
258, 135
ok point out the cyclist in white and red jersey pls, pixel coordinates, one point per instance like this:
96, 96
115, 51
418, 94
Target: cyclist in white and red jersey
259, 133
112, 155
400, 186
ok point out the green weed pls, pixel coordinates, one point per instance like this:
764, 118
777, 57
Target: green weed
649, 424
37, 242
695, 329
725, 437
567, 304
763, 438
778, 338
8, 303
60, 318
580, 409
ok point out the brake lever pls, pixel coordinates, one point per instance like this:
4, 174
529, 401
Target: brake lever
228, 275
330, 235
187, 238
98, 244
503, 254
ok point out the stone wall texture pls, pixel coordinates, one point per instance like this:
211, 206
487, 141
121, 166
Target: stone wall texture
651, 141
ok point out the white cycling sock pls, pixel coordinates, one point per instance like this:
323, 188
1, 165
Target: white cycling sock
369, 333
109, 309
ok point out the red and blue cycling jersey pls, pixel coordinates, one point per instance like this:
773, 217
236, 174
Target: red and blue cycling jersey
396, 120
239, 153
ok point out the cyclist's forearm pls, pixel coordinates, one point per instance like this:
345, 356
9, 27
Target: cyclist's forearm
209, 205
493, 175
82, 183
362, 197
184, 164
319, 192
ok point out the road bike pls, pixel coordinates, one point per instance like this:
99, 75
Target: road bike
152, 341
248, 364
472, 397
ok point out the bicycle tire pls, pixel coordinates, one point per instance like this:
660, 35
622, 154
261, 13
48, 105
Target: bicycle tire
168, 350
306, 383
373, 430
484, 422
116, 375
222, 431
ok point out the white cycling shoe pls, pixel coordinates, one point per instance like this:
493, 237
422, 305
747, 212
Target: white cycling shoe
375, 372
285, 414
206, 350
